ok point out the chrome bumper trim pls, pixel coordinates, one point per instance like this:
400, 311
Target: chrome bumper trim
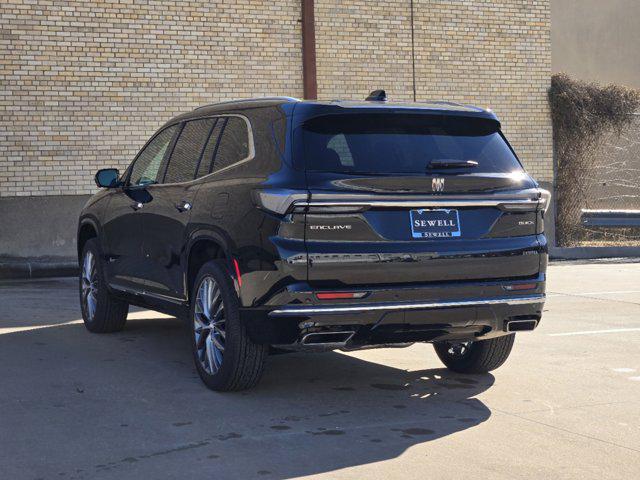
332, 309
515, 204
529, 199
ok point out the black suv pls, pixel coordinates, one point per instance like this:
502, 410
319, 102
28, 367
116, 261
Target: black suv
278, 224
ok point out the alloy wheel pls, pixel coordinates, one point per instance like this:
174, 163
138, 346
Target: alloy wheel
89, 285
209, 323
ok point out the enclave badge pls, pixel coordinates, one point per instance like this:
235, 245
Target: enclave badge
329, 227
437, 184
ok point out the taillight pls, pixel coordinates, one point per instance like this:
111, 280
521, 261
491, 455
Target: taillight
545, 200
279, 201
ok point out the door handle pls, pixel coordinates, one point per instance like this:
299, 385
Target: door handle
183, 206
137, 205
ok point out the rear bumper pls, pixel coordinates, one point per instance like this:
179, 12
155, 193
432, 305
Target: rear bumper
470, 311
313, 310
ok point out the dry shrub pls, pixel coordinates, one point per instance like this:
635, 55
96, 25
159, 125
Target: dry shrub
583, 116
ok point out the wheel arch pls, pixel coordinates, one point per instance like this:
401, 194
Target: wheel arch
202, 248
87, 229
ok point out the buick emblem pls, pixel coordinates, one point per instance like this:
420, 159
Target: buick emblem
437, 184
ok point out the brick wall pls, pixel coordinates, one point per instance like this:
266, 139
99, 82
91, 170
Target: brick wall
490, 53
362, 46
495, 54
84, 84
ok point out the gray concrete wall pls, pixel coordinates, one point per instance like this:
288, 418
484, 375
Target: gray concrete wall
597, 40
34, 227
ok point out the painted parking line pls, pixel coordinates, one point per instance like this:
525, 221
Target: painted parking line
142, 315
594, 332
615, 292
585, 294
4, 331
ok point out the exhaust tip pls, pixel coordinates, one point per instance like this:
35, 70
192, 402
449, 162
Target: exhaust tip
521, 325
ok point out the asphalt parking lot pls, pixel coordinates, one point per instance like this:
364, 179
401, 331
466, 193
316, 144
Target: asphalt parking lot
130, 405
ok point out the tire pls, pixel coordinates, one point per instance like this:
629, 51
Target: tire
475, 357
240, 363
101, 311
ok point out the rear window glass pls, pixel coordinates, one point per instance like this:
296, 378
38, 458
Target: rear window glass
403, 143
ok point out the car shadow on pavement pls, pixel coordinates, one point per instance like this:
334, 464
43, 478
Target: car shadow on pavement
130, 404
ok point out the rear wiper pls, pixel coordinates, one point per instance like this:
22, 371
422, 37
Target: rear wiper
433, 164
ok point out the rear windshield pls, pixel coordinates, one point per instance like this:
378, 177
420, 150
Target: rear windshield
404, 143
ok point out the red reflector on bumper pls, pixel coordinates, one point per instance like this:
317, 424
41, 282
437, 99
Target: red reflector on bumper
339, 295
238, 276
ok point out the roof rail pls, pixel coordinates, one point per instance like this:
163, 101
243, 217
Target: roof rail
240, 100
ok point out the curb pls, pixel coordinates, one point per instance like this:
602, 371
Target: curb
592, 253
16, 269
26, 269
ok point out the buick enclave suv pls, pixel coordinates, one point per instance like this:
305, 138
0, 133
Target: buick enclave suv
278, 224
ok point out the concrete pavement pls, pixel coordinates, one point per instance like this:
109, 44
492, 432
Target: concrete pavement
130, 405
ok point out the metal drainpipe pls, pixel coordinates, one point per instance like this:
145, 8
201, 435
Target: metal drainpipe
309, 80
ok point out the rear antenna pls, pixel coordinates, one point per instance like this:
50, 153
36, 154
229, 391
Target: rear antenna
377, 96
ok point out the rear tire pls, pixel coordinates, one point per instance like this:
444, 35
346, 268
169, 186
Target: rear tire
225, 357
101, 311
475, 357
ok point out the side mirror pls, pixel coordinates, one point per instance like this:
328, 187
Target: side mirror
107, 178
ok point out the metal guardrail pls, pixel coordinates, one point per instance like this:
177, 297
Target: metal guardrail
611, 218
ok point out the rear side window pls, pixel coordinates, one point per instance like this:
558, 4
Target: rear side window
188, 150
228, 144
206, 164
402, 143
234, 143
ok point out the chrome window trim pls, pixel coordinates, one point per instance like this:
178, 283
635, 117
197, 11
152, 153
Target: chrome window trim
333, 309
251, 156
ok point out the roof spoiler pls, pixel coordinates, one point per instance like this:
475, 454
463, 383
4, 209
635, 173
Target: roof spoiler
377, 96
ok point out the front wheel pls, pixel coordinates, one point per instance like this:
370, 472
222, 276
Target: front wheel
101, 311
475, 357
225, 357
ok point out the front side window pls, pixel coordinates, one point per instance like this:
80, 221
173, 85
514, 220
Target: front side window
146, 167
403, 143
188, 150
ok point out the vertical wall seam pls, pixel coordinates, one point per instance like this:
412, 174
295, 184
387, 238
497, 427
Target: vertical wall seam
413, 54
